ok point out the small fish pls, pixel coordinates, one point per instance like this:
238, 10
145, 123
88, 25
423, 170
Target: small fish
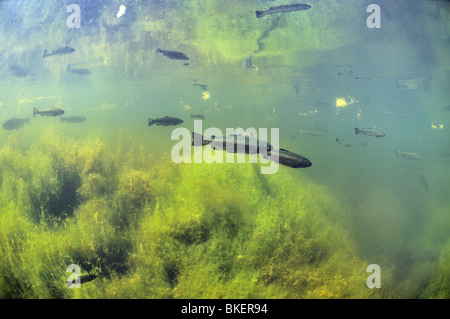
248, 144
19, 71
369, 77
446, 109
59, 51
51, 111
197, 116
424, 181
408, 84
288, 158
408, 154
312, 133
343, 142
73, 119
283, 9
421, 83
82, 280
165, 121
370, 132
203, 86
77, 71
14, 123
320, 128
174, 55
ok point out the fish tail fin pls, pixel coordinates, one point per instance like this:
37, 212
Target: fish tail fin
357, 130
259, 14
150, 122
45, 53
35, 111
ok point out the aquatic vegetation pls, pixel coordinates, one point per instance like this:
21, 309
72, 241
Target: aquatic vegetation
180, 231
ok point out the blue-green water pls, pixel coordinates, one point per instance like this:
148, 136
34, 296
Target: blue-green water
104, 192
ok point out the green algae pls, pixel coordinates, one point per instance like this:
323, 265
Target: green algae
166, 230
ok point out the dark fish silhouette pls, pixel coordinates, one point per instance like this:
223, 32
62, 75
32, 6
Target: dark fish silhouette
77, 71
197, 116
283, 9
288, 158
50, 111
165, 121
249, 145
82, 280
203, 86
73, 119
174, 55
14, 123
59, 51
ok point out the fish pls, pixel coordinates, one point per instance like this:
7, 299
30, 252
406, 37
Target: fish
421, 83
82, 279
174, 55
424, 181
77, 71
203, 86
165, 121
320, 128
50, 111
59, 51
19, 71
248, 144
408, 154
343, 142
73, 119
369, 131
283, 9
312, 133
288, 158
14, 123
197, 116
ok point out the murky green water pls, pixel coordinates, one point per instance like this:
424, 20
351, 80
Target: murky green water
104, 194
